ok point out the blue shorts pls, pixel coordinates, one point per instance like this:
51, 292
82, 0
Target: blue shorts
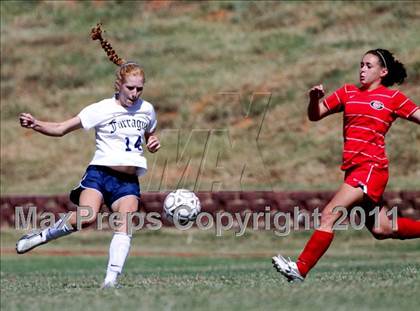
110, 183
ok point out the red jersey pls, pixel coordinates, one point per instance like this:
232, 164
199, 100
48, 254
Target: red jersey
367, 117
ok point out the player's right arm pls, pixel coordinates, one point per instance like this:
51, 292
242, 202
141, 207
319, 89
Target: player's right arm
56, 129
415, 117
316, 108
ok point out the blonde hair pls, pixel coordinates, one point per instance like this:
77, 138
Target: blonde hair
125, 68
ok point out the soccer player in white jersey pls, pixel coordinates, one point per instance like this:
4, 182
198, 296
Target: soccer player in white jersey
122, 124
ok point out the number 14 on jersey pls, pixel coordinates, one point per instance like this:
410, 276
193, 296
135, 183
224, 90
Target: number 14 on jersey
137, 144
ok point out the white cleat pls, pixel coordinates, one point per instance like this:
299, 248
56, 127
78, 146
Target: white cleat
29, 241
287, 268
110, 285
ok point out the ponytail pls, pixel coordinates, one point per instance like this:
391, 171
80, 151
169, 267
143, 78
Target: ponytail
96, 34
124, 68
396, 70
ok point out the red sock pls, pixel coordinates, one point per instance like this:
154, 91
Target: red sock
313, 251
407, 228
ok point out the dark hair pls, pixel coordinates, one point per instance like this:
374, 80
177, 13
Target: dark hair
396, 70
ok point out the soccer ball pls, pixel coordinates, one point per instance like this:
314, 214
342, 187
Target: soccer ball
182, 206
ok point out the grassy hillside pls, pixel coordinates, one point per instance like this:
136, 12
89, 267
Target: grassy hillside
229, 81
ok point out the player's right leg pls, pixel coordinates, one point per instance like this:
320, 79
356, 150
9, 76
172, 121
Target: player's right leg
90, 199
346, 197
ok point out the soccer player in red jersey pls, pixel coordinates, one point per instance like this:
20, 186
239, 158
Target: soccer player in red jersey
369, 111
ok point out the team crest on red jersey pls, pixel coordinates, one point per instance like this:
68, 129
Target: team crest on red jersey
377, 105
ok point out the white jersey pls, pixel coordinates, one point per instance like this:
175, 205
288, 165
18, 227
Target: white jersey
119, 132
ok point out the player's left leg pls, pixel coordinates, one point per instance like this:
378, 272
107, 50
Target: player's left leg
407, 229
121, 240
384, 227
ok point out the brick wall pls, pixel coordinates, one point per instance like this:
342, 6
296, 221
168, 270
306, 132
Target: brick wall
408, 203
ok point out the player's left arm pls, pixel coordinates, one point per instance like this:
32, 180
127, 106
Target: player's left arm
152, 142
415, 117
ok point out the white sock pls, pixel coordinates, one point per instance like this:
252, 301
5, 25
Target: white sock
118, 252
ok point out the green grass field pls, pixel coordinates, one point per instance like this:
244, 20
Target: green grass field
173, 270
211, 67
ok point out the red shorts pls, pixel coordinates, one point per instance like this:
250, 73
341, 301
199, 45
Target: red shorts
370, 177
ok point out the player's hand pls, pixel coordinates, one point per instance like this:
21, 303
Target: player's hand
27, 120
317, 92
153, 144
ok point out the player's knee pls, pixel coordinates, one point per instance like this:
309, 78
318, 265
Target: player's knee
131, 209
87, 217
381, 233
